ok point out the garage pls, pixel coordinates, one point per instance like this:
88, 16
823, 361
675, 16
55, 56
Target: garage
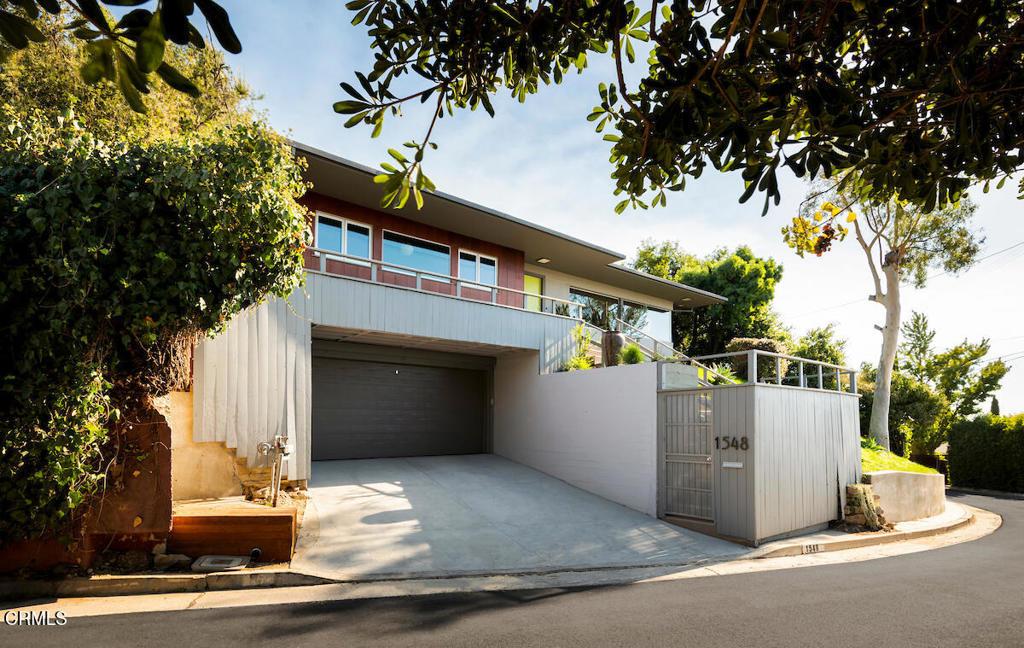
374, 401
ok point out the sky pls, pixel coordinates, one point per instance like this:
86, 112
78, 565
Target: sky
543, 162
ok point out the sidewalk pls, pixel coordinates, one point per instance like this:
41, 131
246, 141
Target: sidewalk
117, 594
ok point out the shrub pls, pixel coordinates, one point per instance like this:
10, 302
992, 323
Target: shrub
766, 367
116, 257
632, 354
580, 359
723, 375
988, 452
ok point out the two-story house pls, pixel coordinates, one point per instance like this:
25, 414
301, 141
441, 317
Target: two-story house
443, 330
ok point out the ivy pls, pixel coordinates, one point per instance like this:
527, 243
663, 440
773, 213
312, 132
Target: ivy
116, 257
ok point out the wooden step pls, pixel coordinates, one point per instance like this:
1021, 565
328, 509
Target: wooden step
233, 527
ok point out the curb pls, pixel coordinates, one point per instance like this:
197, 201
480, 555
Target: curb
11, 590
128, 585
864, 540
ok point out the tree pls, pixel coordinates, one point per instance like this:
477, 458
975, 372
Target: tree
822, 344
901, 243
117, 256
128, 51
918, 415
915, 351
957, 373
922, 98
43, 81
746, 280
125, 237
994, 407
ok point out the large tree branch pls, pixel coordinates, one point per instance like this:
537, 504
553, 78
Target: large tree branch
879, 295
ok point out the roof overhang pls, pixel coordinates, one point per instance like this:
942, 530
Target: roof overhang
352, 182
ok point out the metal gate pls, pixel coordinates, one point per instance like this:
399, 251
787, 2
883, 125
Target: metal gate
687, 451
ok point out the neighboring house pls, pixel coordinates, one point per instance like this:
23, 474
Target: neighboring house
442, 331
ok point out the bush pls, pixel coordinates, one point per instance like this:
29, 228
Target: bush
988, 452
580, 359
632, 354
766, 367
115, 258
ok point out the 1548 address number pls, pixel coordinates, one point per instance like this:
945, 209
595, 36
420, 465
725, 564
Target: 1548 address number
731, 442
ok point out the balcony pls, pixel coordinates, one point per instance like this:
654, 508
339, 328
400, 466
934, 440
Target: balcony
327, 262
370, 300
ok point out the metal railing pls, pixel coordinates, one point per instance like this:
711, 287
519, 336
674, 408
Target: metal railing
789, 370
517, 299
705, 374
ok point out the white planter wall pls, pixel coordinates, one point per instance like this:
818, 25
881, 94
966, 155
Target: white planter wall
593, 429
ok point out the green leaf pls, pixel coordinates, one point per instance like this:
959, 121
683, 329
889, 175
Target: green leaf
127, 65
220, 24
349, 107
129, 91
177, 80
149, 50
17, 31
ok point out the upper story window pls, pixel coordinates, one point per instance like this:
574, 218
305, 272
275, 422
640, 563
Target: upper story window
342, 236
478, 268
416, 253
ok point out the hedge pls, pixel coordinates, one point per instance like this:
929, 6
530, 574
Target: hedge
988, 452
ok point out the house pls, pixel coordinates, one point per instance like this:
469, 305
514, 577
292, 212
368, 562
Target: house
443, 331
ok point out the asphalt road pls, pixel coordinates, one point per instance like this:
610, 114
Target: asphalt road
970, 594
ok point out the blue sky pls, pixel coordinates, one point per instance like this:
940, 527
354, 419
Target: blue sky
543, 162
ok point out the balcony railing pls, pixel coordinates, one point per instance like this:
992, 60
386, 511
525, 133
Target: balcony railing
656, 349
331, 263
781, 369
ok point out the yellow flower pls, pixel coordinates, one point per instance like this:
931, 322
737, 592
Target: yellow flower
818, 216
851, 217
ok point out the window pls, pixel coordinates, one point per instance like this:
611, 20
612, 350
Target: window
478, 268
342, 236
602, 311
416, 253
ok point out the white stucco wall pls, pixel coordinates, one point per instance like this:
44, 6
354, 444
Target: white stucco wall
593, 429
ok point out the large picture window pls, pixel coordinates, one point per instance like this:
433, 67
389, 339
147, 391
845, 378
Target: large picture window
342, 236
416, 253
478, 268
602, 310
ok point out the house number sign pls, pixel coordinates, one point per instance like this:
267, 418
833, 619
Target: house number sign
731, 443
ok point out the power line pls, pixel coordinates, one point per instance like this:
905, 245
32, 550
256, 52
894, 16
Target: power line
984, 258
945, 272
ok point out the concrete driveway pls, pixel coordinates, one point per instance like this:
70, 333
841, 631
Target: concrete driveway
475, 514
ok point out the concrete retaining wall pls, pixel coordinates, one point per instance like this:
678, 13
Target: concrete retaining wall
908, 495
593, 429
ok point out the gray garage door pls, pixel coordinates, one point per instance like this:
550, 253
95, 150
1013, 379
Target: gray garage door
364, 409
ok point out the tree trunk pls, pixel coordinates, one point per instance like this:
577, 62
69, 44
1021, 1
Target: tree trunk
879, 427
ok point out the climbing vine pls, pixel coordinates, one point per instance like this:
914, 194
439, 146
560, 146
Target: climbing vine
115, 258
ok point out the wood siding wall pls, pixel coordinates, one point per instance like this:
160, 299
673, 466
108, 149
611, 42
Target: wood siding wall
254, 380
808, 445
803, 449
510, 262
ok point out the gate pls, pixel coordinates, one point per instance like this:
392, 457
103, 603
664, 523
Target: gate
686, 420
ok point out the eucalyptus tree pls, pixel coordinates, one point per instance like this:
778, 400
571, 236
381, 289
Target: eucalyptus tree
902, 243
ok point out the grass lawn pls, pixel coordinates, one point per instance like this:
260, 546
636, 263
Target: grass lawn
872, 460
